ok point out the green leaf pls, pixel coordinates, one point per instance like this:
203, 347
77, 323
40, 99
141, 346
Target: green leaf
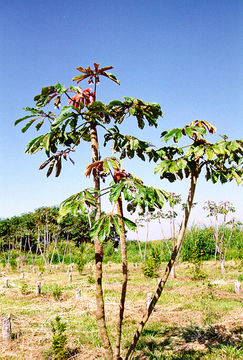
111, 76
46, 141
173, 167
115, 191
39, 125
130, 224
218, 149
210, 153
115, 162
115, 103
188, 131
23, 118
237, 177
116, 224
189, 151
132, 111
95, 228
181, 163
178, 135
162, 167
26, 127
214, 177
107, 225
60, 88
101, 235
35, 145
47, 90
199, 151
166, 136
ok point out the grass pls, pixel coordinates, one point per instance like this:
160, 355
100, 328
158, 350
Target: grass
192, 319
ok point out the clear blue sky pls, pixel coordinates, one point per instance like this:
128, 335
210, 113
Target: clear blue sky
184, 54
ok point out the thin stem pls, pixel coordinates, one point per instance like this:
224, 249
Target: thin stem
169, 266
125, 278
100, 312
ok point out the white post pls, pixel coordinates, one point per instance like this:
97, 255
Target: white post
78, 293
6, 328
38, 288
6, 284
22, 276
237, 287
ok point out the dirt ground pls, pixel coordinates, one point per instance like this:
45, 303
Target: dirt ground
191, 316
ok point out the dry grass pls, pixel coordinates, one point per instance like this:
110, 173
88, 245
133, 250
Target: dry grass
185, 304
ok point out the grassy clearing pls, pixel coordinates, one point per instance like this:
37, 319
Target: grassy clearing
199, 319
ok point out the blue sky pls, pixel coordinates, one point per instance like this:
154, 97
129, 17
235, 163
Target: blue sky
183, 54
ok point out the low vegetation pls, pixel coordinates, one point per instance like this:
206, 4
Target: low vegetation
193, 319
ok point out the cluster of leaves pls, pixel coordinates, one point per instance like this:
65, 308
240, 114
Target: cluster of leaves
57, 292
73, 123
93, 74
222, 160
223, 208
139, 195
105, 224
79, 203
140, 109
128, 145
153, 262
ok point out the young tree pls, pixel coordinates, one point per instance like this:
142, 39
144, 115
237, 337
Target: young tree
171, 215
219, 229
78, 122
221, 162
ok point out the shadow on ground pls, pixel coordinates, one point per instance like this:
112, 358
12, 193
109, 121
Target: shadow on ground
191, 342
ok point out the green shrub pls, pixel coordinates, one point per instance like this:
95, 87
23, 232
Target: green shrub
57, 292
3, 260
196, 259
208, 313
24, 289
80, 262
41, 265
13, 263
202, 239
91, 279
240, 277
59, 339
149, 268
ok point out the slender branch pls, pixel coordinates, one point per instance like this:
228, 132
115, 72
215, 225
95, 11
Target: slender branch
169, 266
125, 278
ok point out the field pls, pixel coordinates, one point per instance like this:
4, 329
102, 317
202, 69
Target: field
194, 319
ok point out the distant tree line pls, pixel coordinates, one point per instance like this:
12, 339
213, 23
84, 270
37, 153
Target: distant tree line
35, 231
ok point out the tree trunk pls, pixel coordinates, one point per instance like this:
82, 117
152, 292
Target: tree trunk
169, 266
222, 263
139, 247
125, 278
39, 245
100, 311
